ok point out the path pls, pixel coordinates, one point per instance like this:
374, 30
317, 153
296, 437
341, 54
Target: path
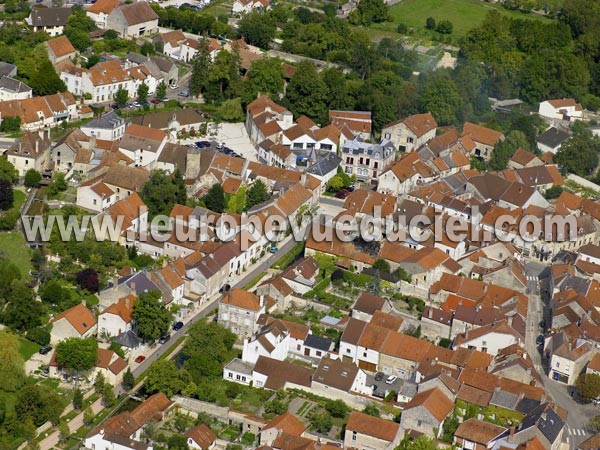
75, 424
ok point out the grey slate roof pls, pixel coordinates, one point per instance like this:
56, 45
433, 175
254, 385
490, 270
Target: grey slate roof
128, 339
553, 137
49, 17
504, 399
10, 84
325, 165
7, 69
108, 121
318, 342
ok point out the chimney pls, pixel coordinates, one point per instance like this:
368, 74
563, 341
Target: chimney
511, 431
132, 288
115, 285
128, 302
262, 300
510, 321
430, 313
37, 146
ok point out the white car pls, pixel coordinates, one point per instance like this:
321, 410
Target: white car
391, 379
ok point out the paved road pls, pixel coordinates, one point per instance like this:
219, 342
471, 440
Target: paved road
579, 414
208, 307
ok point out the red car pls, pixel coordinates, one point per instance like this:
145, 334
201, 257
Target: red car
140, 358
342, 193
155, 101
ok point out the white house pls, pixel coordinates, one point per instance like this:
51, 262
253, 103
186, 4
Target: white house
100, 10
272, 341
133, 20
32, 151
490, 338
77, 321
411, 133
11, 89
201, 438
561, 109
108, 127
368, 432
246, 6
117, 318
50, 20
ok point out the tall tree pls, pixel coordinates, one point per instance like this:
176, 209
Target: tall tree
163, 376
6, 195
215, 198
8, 171
200, 69
265, 76
46, 81
162, 191
77, 354
256, 194
161, 90
306, 93
151, 316
32, 178
12, 365
504, 150
142, 92
258, 29
440, 97
578, 155
121, 97
22, 312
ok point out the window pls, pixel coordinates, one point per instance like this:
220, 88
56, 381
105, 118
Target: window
318, 353
230, 375
365, 354
348, 350
388, 135
353, 436
95, 201
419, 423
410, 140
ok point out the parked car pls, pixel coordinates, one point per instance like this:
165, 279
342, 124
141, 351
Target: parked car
183, 94
178, 326
342, 193
391, 379
164, 338
140, 359
539, 340
273, 249
136, 104
379, 376
46, 371
45, 350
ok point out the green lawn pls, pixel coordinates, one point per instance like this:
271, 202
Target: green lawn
464, 14
19, 198
13, 244
27, 348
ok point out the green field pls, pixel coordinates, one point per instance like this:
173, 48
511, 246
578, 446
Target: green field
13, 244
464, 14
27, 348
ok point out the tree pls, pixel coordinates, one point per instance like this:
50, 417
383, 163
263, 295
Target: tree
200, 69
578, 155
151, 316
588, 385
594, 424
8, 171
99, 383
320, 420
444, 27
372, 11
306, 93
265, 76
128, 379
38, 403
32, 178
77, 399
257, 194
371, 410
77, 354
505, 150
63, 431
10, 124
553, 192
421, 443
12, 365
147, 49
121, 97
215, 198
23, 312
161, 90
257, 29
39, 335
142, 92
440, 97
430, 23
208, 346
337, 408
89, 280
88, 416
276, 407
231, 110
80, 39
6, 195
45, 81
383, 265
163, 376
335, 183
162, 191
108, 396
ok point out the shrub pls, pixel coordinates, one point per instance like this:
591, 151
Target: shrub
39, 336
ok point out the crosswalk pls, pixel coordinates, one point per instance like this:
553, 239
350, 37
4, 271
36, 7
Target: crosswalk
576, 432
532, 278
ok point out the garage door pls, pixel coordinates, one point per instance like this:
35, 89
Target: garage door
371, 367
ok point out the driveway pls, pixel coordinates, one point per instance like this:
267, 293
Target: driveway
382, 386
234, 136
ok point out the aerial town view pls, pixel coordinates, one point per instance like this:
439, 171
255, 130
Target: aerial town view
300, 224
